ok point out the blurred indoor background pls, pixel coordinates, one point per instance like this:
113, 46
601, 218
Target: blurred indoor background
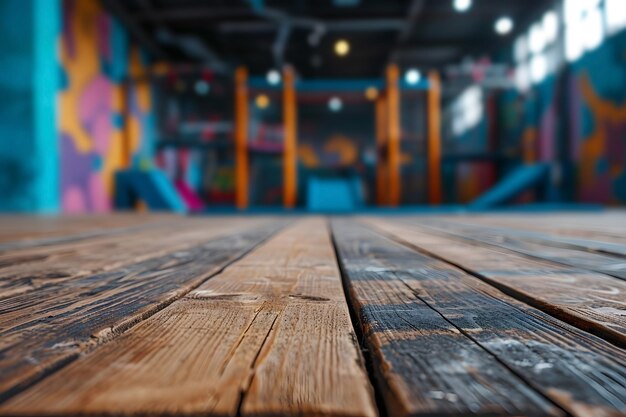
311, 105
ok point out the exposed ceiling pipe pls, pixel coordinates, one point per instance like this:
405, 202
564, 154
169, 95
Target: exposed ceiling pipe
415, 10
280, 44
327, 26
285, 23
193, 47
413, 14
143, 38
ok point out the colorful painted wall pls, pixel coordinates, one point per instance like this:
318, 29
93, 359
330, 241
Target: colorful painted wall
95, 138
577, 119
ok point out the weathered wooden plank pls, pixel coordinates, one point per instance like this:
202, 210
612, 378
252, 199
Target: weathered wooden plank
28, 231
596, 232
33, 268
579, 372
24, 227
588, 300
43, 329
258, 339
538, 246
424, 364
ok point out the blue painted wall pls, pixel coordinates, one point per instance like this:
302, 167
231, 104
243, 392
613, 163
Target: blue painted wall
28, 84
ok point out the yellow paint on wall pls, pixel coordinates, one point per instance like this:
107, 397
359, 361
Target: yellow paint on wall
594, 146
141, 84
80, 70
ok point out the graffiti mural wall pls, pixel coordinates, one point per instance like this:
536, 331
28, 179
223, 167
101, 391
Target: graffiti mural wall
96, 57
599, 123
577, 119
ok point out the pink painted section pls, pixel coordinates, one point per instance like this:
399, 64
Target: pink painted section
74, 200
547, 134
95, 112
192, 200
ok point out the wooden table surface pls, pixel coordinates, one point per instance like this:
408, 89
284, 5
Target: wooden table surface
486, 315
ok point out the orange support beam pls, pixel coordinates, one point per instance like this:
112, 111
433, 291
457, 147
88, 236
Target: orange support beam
393, 138
434, 138
123, 95
381, 137
241, 138
290, 161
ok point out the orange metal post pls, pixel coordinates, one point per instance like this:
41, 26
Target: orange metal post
381, 137
241, 138
434, 138
126, 129
393, 139
290, 151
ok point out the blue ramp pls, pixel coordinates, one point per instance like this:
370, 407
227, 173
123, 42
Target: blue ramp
517, 182
334, 194
151, 186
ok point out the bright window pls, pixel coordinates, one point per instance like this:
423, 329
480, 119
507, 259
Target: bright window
467, 110
584, 27
615, 15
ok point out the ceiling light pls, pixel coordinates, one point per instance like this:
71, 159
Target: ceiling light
412, 76
615, 15
335, 104
462, 5
371, 93
262, 101
202, 87
342, 47
273, 77
504, 25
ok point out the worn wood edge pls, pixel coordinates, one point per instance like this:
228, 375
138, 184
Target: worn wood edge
561, 313
565, 314
560, 399
372, 358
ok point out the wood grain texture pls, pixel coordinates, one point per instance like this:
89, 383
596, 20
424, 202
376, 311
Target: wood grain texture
581, 373
424, 365
270, 335
27, 231
540, 246
600, 232
44, 329
28, 269
588, 300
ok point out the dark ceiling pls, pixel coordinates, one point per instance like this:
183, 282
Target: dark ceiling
263, 34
